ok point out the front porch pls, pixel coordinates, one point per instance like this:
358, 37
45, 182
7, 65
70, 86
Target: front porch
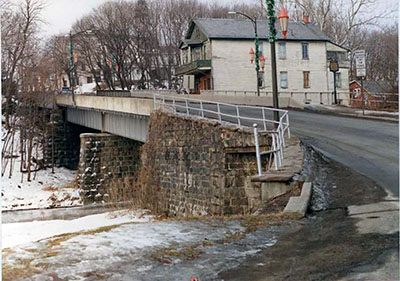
201, 71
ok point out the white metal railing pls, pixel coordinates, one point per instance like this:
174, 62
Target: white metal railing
310, 97
235, 114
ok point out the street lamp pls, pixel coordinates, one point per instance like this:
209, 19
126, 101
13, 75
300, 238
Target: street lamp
283, 20
262, 62
251, 53
334, 67
74, 57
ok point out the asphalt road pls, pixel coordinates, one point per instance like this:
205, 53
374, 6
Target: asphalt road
369, 147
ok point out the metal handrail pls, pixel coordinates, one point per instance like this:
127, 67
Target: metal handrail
281, 127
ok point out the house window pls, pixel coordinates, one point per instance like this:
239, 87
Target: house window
338, 80
304, 50
306, 79
284, 80
282, 50
89, 79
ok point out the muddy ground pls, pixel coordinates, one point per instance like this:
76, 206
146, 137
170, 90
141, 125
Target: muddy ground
327, 246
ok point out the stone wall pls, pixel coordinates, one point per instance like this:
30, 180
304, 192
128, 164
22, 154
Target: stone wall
197, 167
107, 166
66, 141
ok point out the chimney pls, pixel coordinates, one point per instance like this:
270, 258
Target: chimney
306, 18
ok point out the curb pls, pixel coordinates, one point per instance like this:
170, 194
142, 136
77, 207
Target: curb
356, 116
298, 205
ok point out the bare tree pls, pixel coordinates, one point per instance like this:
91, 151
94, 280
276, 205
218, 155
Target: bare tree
20, 80
17, 29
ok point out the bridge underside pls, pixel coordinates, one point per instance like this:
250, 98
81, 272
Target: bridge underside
126, 125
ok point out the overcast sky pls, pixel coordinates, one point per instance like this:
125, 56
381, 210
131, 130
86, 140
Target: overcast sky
61, 14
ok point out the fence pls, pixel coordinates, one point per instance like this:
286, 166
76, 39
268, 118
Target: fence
242, 116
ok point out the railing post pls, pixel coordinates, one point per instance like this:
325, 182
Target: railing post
201, 108
219, 112
263, 115
288, 125
274, 147
187, 107
280, 140
174, 105
163, 103
282, 133
257, 150
238, 115
154, 102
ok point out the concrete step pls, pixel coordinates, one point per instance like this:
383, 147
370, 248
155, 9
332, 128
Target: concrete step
298, 205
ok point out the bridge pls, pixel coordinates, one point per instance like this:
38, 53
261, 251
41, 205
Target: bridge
129, 116
203, 157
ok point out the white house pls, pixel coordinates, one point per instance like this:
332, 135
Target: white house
216, 52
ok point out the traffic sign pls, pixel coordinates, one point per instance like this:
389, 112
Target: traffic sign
359, 56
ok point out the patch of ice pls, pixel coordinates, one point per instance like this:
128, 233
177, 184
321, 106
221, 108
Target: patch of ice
14, 234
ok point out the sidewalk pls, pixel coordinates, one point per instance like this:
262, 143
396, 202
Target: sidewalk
353, 112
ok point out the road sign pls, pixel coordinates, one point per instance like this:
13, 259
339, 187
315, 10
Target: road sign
361, 72
359, 56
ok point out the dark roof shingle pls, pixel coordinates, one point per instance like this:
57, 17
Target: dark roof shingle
377, 87
244, 29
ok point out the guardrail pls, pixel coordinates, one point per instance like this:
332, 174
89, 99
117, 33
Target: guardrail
235, 114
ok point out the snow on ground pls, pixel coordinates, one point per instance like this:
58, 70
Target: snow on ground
43, 191
21, 233
47, 190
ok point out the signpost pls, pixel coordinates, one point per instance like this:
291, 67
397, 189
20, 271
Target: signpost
359, 56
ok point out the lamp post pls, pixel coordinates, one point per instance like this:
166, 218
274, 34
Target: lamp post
251, 53
334, 67
283, 22
74, 57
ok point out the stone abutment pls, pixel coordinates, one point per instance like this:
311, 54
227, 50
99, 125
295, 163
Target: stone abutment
107, 168
196, 167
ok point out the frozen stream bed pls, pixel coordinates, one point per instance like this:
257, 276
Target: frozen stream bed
136, 249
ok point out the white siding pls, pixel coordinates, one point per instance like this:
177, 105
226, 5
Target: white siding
231, 65
232, 69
